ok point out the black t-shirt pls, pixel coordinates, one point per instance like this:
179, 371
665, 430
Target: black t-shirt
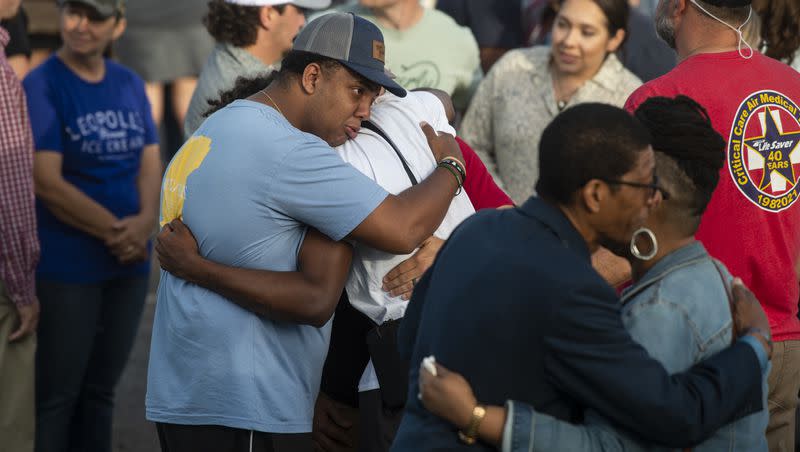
17, 27
495, 23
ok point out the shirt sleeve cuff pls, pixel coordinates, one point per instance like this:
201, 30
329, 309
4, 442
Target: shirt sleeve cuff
508, 428
518, 431
23, 296
763, 359
21, 300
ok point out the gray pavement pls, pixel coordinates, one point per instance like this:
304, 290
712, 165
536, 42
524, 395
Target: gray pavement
132, 433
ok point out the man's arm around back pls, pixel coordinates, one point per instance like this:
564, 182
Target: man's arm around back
593, 358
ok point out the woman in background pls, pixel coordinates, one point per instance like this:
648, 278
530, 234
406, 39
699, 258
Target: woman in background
167, 45
778, 31
97, 172
527, 88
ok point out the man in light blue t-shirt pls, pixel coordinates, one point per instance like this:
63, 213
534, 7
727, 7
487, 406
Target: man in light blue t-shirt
249, 183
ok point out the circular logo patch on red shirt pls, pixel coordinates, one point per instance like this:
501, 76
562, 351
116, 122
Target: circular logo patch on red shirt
764, 150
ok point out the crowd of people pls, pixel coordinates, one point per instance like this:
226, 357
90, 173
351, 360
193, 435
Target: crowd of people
403, 225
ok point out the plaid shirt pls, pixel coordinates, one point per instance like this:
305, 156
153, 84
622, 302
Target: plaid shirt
19, 245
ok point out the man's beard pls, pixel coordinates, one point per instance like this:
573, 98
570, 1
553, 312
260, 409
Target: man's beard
664, 26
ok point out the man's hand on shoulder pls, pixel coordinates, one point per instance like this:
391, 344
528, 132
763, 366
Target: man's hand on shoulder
400, 281
178, 252
442, 144
749, 317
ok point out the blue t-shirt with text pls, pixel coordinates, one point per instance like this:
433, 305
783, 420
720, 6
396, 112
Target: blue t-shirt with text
100, 129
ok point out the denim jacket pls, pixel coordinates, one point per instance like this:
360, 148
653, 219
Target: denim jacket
679, 311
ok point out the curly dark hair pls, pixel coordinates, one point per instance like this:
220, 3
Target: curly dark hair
234, 24
587, 141
780, 27
293, 64
242, 89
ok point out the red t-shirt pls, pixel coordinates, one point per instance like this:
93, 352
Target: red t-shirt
753, 221
480, 186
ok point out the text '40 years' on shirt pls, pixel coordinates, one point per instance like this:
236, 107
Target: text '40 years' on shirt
753, 219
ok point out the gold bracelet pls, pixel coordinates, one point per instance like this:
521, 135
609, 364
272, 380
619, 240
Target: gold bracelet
470, 436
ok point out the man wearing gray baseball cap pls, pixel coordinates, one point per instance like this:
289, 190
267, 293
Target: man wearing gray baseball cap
251, 38
254, 181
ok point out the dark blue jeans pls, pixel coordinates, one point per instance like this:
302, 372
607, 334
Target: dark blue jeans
86, 332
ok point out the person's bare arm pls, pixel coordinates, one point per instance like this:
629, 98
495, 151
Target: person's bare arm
400, 280
66, 201
614, 269
21, 65
402, 222
307, 296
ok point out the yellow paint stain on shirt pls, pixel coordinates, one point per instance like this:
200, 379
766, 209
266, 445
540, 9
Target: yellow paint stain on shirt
173, 191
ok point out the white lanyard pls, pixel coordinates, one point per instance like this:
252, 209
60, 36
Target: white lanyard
737, 30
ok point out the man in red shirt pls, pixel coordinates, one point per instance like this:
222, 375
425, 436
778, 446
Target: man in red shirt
753, 221
19, 253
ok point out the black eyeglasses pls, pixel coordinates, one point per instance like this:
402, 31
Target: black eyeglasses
653, 187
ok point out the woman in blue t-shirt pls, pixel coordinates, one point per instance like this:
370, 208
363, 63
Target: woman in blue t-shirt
97, 172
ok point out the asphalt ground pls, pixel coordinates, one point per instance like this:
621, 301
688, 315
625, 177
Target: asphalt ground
132, 433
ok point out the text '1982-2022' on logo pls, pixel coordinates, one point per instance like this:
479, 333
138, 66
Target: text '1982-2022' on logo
764, 150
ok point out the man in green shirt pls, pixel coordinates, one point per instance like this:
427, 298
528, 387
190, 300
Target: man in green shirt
425, 48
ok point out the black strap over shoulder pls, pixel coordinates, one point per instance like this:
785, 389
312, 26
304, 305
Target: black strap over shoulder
371, 126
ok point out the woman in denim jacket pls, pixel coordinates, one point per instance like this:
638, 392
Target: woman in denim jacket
678, 308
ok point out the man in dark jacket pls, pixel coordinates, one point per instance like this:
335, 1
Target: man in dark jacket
513, 304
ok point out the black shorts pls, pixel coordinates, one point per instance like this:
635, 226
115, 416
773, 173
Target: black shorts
215, 438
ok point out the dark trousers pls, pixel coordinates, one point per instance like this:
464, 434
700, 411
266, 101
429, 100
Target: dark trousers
377, 424
348, 354
86, 332
215, 438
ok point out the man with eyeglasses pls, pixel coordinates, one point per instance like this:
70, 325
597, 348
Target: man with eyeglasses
653, 188
252, 37
513, 304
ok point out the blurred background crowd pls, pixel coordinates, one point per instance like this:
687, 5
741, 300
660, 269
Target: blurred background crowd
167, 44
511, 66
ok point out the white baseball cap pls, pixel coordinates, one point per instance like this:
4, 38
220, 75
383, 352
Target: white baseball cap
308, 4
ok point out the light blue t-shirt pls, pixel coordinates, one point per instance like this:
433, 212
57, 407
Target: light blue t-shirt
252, 183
